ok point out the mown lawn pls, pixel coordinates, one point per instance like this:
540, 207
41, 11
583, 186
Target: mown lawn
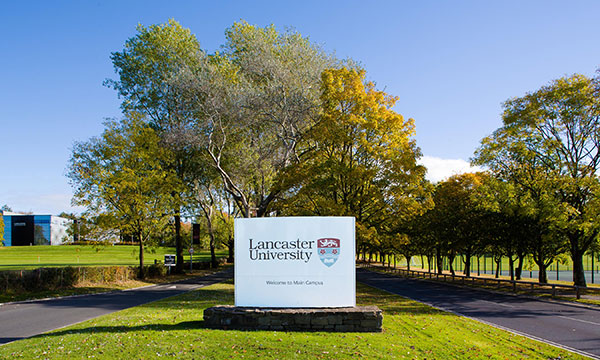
173, 328
31, 257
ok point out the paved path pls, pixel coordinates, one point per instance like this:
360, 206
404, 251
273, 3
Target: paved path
574, 327
25, 319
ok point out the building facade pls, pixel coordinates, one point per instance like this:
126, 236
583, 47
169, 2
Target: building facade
26, 230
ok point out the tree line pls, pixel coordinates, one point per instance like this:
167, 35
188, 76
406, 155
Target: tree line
272, 125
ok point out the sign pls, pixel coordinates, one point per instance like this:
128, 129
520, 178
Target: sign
295, 262
169, 260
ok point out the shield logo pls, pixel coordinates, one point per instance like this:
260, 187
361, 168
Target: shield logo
329, 250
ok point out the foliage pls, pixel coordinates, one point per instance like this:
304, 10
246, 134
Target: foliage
550, 146
145, 67
362, 161
457, 220
251, 105
1, 229
120, 179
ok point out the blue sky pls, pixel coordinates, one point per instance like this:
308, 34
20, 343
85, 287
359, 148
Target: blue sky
452, 63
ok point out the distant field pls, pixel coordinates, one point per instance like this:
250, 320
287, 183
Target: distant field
31, 257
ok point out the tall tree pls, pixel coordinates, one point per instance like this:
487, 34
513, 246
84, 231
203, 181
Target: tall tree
251, 105
550, 144
145, 66
457, 219
362, 161
120, 179
1, 229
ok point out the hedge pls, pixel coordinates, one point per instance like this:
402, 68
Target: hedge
65, 277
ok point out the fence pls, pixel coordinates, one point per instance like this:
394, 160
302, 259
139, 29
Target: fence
514, 285
485, 264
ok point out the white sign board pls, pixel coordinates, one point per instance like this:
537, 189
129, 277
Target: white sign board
295, 262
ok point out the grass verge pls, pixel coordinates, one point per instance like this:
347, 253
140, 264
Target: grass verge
93, 288
174, 328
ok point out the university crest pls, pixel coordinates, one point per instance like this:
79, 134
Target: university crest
329, 250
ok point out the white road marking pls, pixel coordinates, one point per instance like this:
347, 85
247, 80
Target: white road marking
172, 287
497, 303
583, 321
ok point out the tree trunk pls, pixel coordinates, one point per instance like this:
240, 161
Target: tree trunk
438, 261
542, 275
511, 267
578, 271
211, 234
178, 244
450, 265
498, 262
408, 257
142, 273
467, 271
230, 247
519, 270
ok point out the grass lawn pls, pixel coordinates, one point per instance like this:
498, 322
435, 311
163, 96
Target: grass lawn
31, 257
173, 328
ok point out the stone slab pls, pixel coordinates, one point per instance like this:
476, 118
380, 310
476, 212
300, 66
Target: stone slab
345, 319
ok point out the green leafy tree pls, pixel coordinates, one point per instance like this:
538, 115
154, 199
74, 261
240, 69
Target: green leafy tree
550, 145
252, 104
145, 66
1, 229
457, 220
120, 179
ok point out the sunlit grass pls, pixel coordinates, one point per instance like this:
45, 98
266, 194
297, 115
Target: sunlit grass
31, 257
174, 328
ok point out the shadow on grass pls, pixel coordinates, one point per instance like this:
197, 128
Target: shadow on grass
185, 325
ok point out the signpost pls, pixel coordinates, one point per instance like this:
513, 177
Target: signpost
169, 262
300, 262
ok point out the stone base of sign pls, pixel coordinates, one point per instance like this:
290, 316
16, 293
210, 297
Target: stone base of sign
350, 319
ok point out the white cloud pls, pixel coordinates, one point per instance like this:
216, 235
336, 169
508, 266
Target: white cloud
439, 169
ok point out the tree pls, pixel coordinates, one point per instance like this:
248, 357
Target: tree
120, 179
1, 229
456, 218
251, 106
145, 67
361, 163
550, 145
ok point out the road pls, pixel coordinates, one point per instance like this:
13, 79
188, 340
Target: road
25, 319
574, 327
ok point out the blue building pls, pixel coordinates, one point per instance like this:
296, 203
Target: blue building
26, 230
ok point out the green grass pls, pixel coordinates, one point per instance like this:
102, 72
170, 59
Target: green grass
173, 328
31, 257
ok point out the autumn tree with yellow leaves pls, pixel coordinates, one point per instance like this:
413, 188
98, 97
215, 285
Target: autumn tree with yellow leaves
361, 161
